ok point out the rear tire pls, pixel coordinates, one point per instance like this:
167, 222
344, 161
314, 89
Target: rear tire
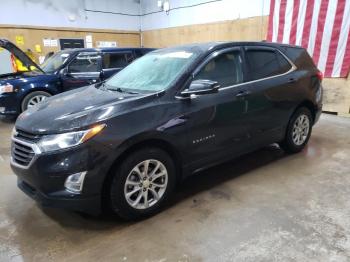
33, 99
298, 131
142, 184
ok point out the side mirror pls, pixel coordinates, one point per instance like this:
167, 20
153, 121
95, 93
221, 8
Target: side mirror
64, 72
201, 87
102, 74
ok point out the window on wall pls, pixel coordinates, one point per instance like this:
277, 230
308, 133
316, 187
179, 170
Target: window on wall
266, 63
71, 43
85, 63
226, 69
116, 60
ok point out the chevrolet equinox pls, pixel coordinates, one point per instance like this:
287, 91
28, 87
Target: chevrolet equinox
123, 144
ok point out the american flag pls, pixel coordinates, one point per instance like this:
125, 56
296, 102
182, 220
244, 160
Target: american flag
320, 26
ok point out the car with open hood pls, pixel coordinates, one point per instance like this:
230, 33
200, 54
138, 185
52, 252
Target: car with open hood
65, 70
124, 144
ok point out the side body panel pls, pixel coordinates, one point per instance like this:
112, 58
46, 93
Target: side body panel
25, 85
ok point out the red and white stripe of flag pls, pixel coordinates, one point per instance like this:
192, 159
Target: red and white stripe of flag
320, 26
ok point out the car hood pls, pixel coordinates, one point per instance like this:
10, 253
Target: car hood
23, 77
78, 109
27, 62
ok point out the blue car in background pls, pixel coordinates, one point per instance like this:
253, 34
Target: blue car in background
64, 71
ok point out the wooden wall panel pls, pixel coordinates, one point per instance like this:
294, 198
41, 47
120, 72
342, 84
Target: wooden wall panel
33, 36
254, 28
336, 97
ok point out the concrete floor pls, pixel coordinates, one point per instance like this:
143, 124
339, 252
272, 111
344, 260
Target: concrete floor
265, 206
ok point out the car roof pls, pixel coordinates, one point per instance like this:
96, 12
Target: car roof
212, 46
106, 49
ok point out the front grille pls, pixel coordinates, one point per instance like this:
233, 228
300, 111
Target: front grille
24, 147
22, 154
23, 135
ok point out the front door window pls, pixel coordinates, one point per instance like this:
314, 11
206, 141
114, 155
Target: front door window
226, 69
86, 63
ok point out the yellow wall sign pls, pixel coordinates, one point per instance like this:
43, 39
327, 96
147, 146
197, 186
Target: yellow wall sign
19, 40
38, 48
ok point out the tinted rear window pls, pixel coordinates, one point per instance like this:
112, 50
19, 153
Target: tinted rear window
265, 63
116, 60
300, 57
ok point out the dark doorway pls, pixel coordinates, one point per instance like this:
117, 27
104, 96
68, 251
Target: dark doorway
71, 43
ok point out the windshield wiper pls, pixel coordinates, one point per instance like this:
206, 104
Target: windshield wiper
120, 90
131, 92
101, 85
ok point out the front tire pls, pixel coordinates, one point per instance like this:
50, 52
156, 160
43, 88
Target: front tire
142, 184
298, 131
34, 98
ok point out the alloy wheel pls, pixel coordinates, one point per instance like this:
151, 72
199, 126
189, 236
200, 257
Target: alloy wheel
146, 184
301, 130
36, 100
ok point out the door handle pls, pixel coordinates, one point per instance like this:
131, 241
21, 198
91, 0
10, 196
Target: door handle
292, 80
243, 93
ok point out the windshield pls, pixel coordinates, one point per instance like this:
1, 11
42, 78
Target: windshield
54, 62
152, 72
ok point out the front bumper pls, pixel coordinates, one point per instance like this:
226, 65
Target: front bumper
62, 199
9, 104
43, 180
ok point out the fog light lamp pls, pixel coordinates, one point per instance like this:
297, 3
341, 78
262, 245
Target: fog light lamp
74, 183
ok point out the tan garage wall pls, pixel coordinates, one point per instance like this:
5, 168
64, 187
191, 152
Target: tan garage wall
337, 95
253, 28
34, 36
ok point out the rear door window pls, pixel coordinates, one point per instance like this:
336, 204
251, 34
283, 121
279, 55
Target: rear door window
116, 60
226, 69
265, 63
85, 63
300, 57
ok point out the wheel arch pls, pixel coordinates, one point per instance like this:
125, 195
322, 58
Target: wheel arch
285, 143
305, 103
150, 142
37, 89
309, 105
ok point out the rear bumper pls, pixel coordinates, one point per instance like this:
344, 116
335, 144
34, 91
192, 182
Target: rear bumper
318, 113
318, 103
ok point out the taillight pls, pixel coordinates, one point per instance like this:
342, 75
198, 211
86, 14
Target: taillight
319, 75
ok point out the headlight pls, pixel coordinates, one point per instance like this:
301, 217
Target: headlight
6, 89
14, 132
61, 141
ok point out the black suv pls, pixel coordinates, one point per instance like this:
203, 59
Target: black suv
124, 144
